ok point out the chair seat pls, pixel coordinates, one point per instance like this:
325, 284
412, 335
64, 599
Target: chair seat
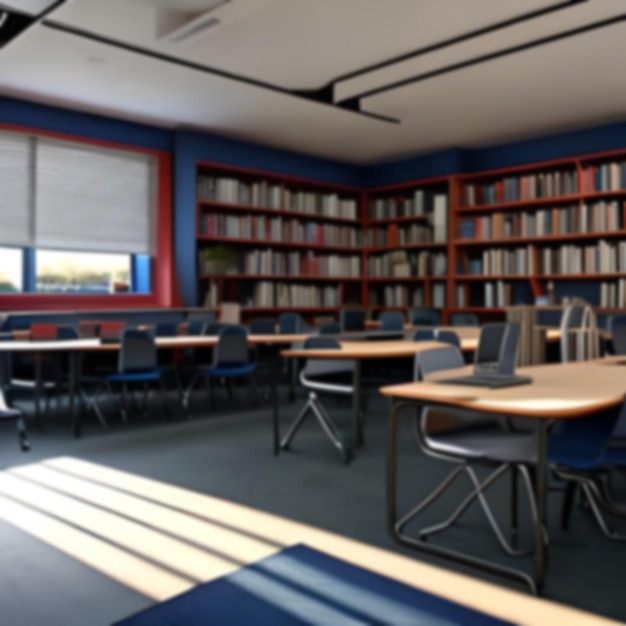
486, 443
228, 372
31, 384
9, 414
131, 377
339, 383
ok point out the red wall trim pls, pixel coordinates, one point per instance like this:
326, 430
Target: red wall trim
164, 290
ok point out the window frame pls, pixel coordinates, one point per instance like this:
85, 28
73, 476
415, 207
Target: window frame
161, 265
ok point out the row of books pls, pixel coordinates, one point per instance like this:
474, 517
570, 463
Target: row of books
613, 294
589, 218
527, 187
268, 262
401, 264
396, 235
260, 227
605, 177
269, 294
396, 296
419, 203
495, 294
601, 258
498, 261
268, 195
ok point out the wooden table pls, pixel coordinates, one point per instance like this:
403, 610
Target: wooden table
359, 351
560, 391
74, 348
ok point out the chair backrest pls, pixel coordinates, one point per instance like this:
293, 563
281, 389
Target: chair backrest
577, 316
263, 327
391, 320
352, 319
617, 328
448, 336
197, 321
497, 348
424, 334
67, 333
291, 324
464, 319
438, 359
166, 330
320, 367
138, 351
332, 328
232, 347
6, 362
425, 317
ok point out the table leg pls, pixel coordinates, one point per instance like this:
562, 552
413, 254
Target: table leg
541, 491
72, 384
38, 390
275, 422
356, 405
292, 368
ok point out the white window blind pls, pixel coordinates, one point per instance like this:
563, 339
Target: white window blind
16, 201
94, 199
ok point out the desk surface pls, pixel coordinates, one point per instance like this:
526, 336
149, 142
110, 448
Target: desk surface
94, 345
351, 350
557, 391
63, 487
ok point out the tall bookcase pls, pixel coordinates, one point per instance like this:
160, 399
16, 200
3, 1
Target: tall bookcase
406, 241
466, 243
276, 243
546, 231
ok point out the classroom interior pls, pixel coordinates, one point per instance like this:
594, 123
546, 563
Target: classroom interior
312, 312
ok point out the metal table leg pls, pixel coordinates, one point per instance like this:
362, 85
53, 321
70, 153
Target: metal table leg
38, 389
275, 422
541, 493
356, 405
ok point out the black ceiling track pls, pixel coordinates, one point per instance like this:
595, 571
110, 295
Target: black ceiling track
14, 23
348, 103
206, 69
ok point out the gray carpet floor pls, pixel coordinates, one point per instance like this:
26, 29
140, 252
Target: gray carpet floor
227, 452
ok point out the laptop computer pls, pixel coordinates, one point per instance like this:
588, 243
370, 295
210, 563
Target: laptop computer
494, 361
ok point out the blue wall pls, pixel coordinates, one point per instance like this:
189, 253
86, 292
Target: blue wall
83, 124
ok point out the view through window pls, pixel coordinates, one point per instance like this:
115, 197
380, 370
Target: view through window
11, 270
82, 272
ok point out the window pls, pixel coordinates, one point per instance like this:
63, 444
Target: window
11, 270
82, 272
75, 218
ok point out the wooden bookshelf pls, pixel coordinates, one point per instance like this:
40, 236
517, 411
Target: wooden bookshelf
551, 229
294, 244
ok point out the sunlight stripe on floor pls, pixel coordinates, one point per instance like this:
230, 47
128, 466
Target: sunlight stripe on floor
117, 564
231, 544
173, 554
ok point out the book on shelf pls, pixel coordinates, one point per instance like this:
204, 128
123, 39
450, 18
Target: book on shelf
497, 294
419, 203
519, 188
594, 217
268, 195
610, 176
439, 295
439, 218
601, 258
397, 296
399, 235
211, 297
613, 294
403, 263
498, 261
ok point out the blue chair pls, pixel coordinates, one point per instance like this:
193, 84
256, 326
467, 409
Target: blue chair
580, 452
352, 319
231, 360
425, 317
137, 365
391, 320
327, 376
263, 327
331, 328
448, 336
291, 324
424, 335
198, 320
464, 319
617, 328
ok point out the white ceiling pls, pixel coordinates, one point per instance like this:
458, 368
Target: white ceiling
305, 44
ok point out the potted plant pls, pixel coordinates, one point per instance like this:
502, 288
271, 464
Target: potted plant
219, 260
